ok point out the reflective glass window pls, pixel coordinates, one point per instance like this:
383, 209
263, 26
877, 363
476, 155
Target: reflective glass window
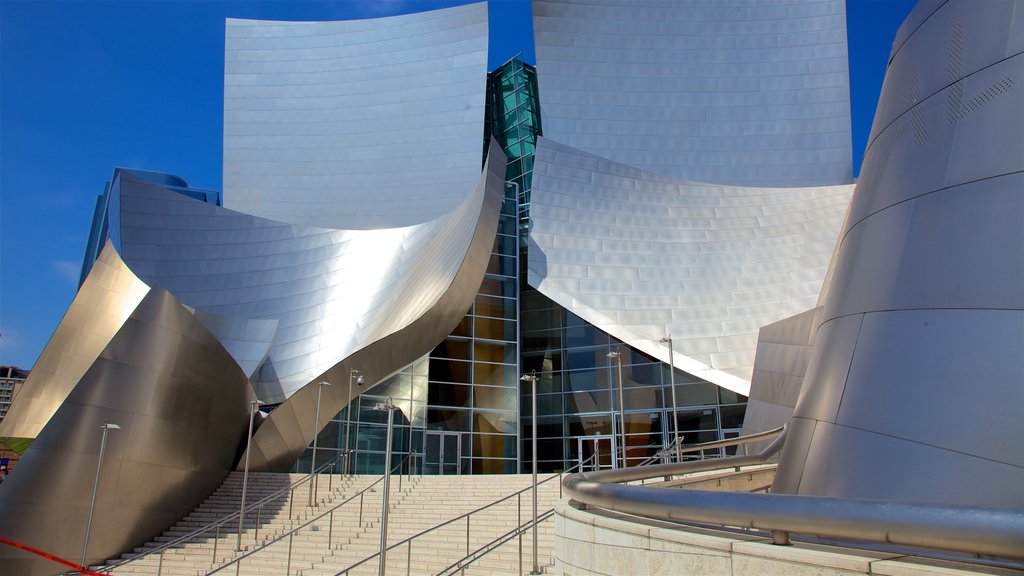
453, 348
492, 352
494, 422
704, 419
732, 416
449, 370
581, 402
441, 418
494, 329
588, 424
585, 380
696, 394
545, 364
495, 375
495, 308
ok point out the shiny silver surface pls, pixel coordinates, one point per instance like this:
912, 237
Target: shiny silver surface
430, 300
354, 124
783, 353
106, 298
640, 255
320, 295
914, 388
181, 402
746, 92
990, 532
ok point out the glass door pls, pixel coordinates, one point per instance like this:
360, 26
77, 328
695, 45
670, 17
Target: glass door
596, 452
443, 453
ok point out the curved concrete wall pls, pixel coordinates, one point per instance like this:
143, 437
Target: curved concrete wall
354, 124
641, 256
914, 390
751, 92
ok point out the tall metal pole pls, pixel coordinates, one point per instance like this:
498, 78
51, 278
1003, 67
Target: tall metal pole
672, 376
245, 475
622, 407
533, 379
383, 554
348, 415
95, 487
316, 433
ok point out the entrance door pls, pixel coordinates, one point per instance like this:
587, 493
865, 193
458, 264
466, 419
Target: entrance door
596, 452
443, 453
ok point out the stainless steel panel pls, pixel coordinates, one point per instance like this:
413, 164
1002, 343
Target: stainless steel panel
753, 93
178, 440
282, 437
329, 110
924, 402
669, 266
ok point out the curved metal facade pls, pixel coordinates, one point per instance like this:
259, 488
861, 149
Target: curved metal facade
330, 292
641, 256
748, 92
182, 403
914, 389
354, 124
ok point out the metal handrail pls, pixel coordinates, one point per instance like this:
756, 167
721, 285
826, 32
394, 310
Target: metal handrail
216, 524
463, 516
670, 448
998, 533
463, 563
293, 531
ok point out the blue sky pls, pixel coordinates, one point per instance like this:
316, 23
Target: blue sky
86, 86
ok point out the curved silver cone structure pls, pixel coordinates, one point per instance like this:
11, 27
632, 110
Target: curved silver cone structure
751, 93
181, 402
641, 255
915, 390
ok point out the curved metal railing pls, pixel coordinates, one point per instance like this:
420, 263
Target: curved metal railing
215, 526
996, 533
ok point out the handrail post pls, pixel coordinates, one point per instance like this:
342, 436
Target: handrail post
216, 538
780, 538
519, 527
160, 564
361, 509
330, 529
256, 537
408, 558
288, 568
467, 534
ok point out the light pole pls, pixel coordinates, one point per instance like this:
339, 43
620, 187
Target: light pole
92, 503
532, 379
383, 553
245, 475
316, 433
672, 376
622, 407
353, 374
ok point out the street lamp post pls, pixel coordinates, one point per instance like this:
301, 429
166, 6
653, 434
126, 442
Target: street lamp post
353, 374
532, 379
316, 433
622, 407
95, 487
383, 553
672, 377
245, 475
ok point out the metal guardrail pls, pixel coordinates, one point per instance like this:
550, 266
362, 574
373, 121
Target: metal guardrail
290, 534
463, 563
466, 517
215, 526
996, 533
669, 449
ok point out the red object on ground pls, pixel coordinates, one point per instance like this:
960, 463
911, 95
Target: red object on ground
49, 556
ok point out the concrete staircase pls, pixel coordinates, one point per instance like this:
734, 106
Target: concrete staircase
351, 532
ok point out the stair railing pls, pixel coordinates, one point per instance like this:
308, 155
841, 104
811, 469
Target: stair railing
461, 564
519, 503
216, 527
290, 534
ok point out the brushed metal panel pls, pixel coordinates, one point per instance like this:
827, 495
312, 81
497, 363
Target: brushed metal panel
160, 465
711, 282
466, 243
316, 114
925, 402
753, 92
104, 301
